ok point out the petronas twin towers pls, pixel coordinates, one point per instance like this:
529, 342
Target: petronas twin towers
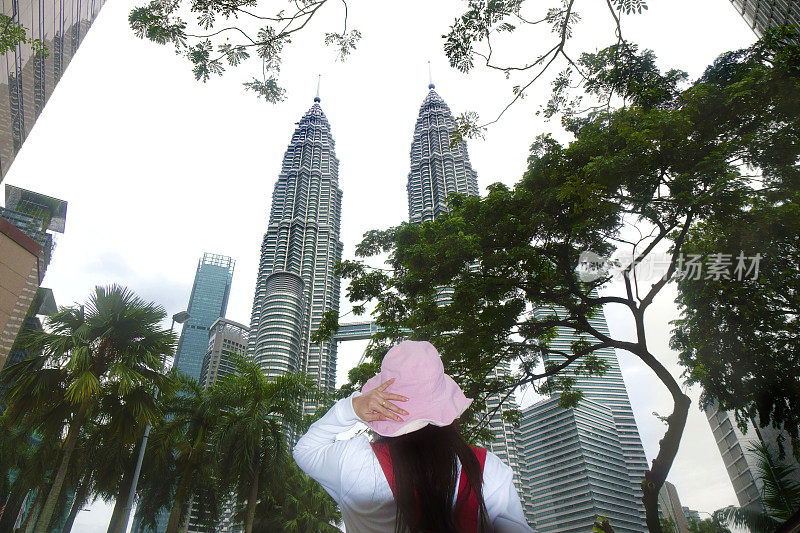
296, 284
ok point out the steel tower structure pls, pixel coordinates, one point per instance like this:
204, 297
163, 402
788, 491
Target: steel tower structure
296, 283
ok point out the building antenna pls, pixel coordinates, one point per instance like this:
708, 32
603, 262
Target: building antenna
319, 80
430, 77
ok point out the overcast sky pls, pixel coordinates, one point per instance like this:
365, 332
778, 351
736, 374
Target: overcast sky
158, 168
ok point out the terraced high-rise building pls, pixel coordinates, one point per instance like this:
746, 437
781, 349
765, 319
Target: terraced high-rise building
296, 283
762, 15
438, 169
551, 480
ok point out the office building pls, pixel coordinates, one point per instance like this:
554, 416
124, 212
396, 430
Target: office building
573, 468
761, 15
741, 464
608, 391
28, 79
440, 168
296, 284
26, 244
226, 339
207, 303
669, 507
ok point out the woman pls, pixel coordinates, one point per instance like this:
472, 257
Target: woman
419, 475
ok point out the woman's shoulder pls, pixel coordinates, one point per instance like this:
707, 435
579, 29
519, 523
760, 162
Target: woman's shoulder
496, 472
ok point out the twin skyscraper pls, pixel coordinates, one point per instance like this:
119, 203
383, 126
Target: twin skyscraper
570, 465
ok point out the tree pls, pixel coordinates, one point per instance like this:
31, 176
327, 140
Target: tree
12, 33
668, 525
179, 467
256, 411
752, 318
708, 525
780, 495
665, 161
296, 504
229, 31
109, 346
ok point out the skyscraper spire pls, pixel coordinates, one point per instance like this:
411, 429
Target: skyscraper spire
319, 81
437, 167
430, 77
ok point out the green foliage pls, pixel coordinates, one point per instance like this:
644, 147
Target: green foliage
109, 350
750, 317
12, 34
708, 525
667, 162
780, 495
668, 525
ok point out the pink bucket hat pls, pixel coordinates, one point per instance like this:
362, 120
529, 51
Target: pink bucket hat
433, 396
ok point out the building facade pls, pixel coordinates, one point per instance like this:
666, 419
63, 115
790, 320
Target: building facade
226, 339
574, 469
296, 284
761, 15
28, 222
609, 392
19, 280
669, 507
439, 168
207, 303
27, 79
741, 464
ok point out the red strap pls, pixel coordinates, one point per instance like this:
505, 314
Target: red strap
466, 500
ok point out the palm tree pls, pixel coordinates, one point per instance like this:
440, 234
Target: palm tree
256, 411
179, 464
780, 495
296, 504
111, 345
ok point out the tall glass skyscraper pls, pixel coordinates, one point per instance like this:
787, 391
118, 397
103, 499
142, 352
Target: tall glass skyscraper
438, 169
207, 303
27, 80
607, 392
296, 283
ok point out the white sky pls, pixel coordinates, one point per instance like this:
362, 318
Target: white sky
158, 168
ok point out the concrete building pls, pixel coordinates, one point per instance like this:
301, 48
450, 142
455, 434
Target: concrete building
207, 303
296, 284
225, 339
741, 464
19, 280
573, 467
734, 445
669, 507
439, 168
28, 220
28, 79
761, 15
609, 392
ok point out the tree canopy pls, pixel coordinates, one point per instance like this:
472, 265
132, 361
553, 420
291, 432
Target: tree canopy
668, 159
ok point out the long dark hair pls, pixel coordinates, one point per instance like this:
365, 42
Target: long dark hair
425, 470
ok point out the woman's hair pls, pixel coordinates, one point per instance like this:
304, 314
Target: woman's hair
424, 464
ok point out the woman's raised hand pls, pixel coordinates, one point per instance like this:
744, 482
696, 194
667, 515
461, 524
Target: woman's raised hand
375, 405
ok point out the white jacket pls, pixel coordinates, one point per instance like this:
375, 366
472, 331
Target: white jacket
349, 471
